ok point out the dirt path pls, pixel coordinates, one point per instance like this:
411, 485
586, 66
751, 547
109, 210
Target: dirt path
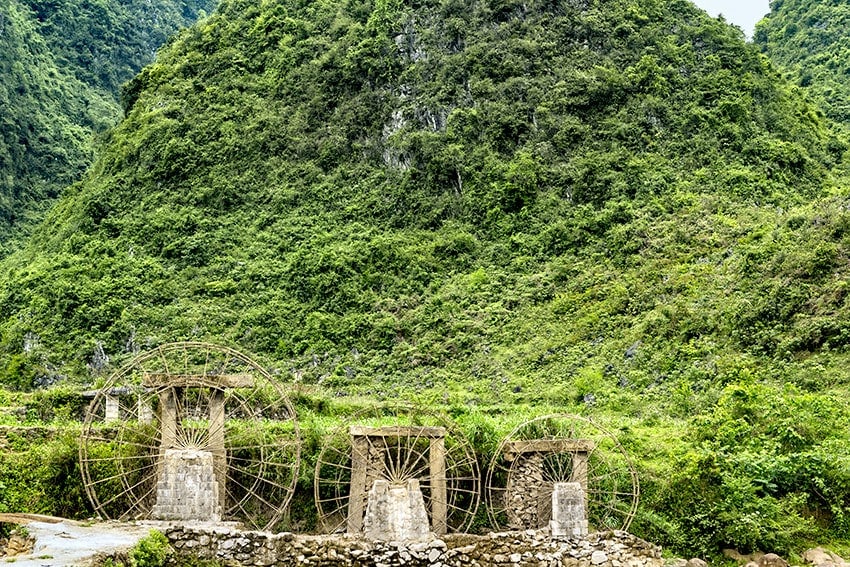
60, 542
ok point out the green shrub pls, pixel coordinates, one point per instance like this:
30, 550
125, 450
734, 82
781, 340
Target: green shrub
151, 551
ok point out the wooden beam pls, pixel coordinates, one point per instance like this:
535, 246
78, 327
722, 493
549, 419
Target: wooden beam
398, 431
514, 448
357, 491
221, 381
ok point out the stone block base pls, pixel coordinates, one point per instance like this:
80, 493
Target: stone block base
396, 512
569, 517
187, 488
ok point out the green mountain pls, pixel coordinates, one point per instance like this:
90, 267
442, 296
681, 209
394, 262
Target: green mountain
61, 65
809, 38
616, 207
312, 189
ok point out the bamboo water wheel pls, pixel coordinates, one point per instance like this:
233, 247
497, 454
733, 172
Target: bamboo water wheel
191, 396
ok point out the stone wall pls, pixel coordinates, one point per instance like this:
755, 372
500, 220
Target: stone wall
530, 495
523, 549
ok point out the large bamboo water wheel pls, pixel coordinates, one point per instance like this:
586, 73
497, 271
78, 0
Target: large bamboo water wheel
560, 448
191, 398
396, 444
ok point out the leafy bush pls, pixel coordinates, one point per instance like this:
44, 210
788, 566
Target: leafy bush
151, 551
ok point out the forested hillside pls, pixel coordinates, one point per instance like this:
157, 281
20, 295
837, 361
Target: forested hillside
318, 187
809, 38
61, 66
614, 207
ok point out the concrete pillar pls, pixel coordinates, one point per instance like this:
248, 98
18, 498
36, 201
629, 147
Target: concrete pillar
168, 419
569, 515
144, 410
217, 443
396, 512
579, 474
437, 465
357, 490
112, 411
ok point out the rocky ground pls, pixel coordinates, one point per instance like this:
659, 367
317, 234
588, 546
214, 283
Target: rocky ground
54, 542
815, 557
57, 542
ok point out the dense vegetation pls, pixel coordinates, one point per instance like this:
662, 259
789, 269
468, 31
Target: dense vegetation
61, 65
496, 206
362, 183
809, 38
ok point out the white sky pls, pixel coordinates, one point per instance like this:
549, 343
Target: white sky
744, 13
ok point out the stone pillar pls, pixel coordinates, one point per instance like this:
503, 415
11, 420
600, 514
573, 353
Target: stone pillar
376, 464
569, 515
168, 419
145, 411
187, 488
526, 488
112, 411
396, 512
579, 473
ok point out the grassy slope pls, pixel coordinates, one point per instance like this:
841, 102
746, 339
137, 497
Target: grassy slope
617, 208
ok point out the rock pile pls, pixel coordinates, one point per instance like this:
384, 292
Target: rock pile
820, 557
530, 501
816, 557
520, 549
15, 545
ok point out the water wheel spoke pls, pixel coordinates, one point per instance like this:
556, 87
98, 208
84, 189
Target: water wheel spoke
119, 475
126, 492
268, 463
254, 495
90, 441
121, 458
287, 444
247, 515
138, 503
